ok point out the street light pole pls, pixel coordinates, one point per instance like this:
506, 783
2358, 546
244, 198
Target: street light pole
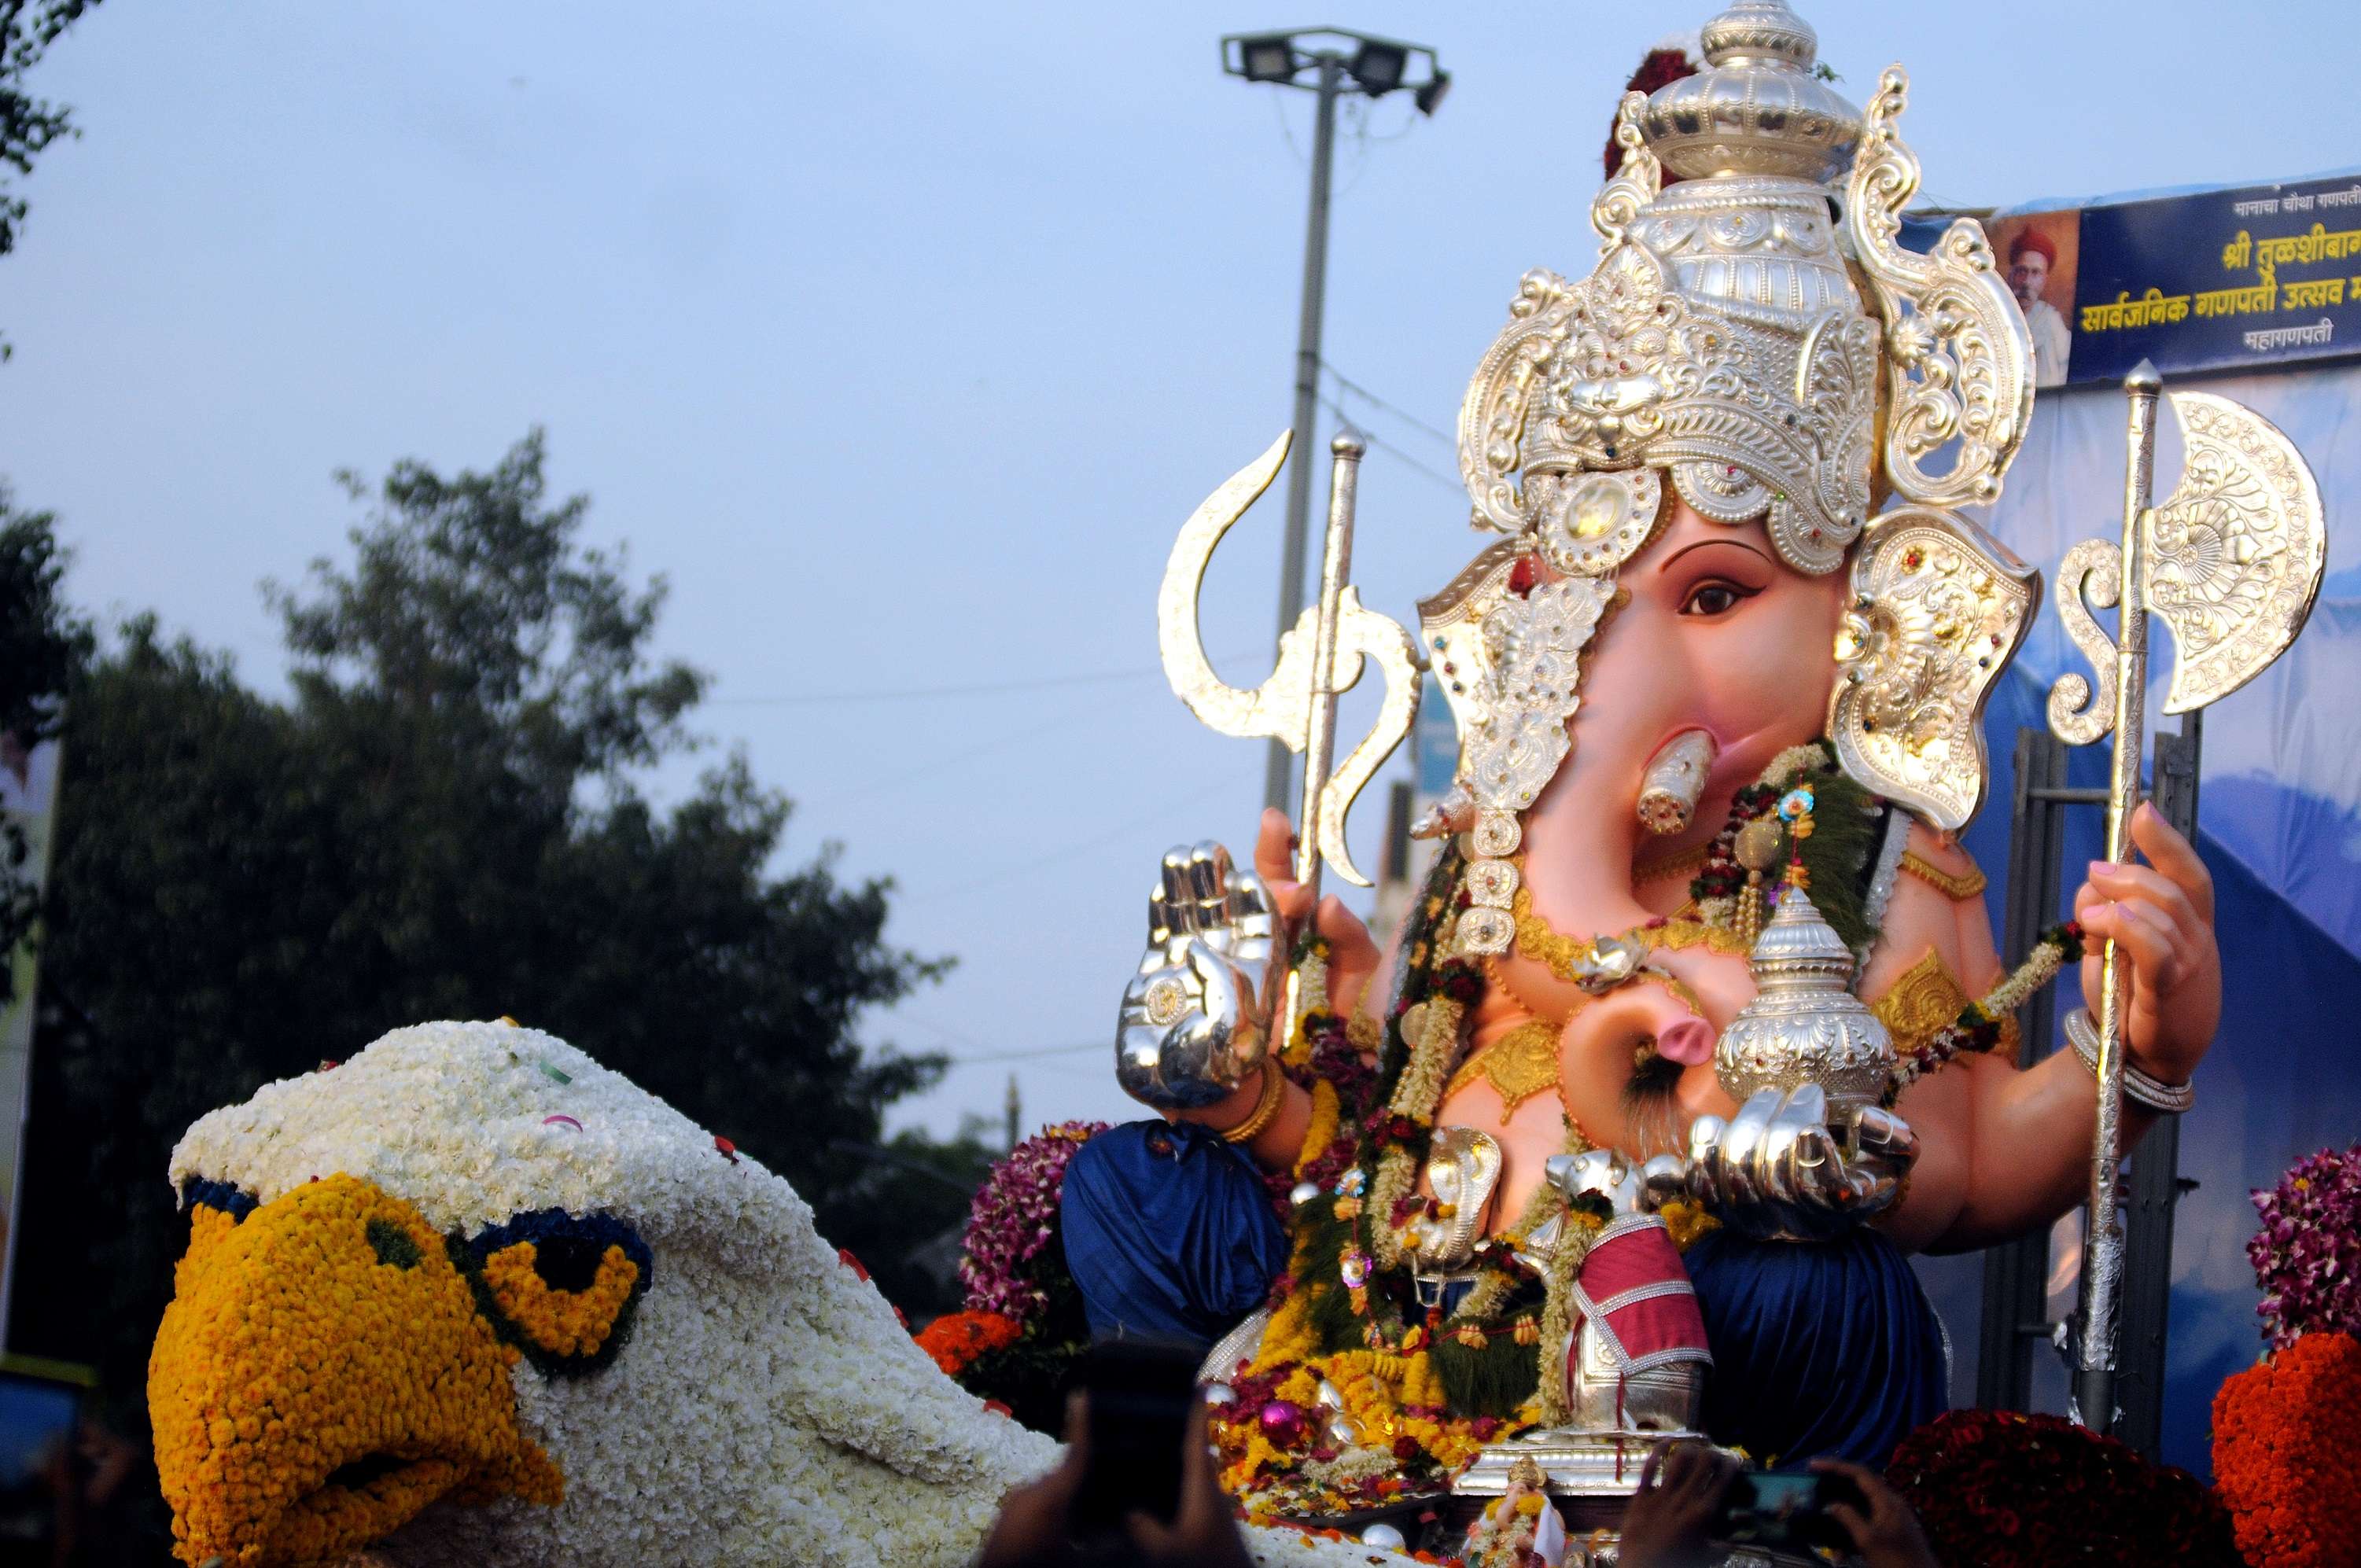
1344, 60
1278, 769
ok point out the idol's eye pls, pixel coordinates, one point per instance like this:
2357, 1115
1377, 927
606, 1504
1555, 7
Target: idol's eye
561, 1288
1716, 596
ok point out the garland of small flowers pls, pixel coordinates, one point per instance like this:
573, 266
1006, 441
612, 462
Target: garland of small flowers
1978, 1026
2307, 1254
1022, 1324
2285, 1432
1719, 882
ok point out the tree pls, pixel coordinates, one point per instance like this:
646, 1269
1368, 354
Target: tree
41, 641
28, 125
440, 822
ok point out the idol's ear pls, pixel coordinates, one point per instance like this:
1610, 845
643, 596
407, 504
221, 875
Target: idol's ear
1958, 351
1938, 609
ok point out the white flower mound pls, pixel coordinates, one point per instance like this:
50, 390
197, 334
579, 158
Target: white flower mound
768, 1408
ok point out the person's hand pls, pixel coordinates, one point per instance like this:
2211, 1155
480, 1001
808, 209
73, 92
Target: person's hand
2161, 916
1031, 1531
1681, 1490
1203, 1533
1352, 955
1888, 1536
1035, 1527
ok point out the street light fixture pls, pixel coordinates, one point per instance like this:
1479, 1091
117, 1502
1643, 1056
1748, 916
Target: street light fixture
1379, 67
1376, 67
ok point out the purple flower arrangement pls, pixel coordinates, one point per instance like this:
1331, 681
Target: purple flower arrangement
2306, 1255
1014, 1219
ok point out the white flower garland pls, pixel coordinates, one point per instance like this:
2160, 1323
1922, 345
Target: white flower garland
769, 1408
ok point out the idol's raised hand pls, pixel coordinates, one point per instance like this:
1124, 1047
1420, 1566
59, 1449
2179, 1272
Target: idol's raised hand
1196, 1019
1352, 954
2161, 915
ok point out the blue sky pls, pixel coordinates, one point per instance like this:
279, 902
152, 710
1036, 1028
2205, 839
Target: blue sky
902, 339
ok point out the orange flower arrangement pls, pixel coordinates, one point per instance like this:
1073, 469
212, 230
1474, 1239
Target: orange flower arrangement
321, 1375
957, 1338
2284, 1435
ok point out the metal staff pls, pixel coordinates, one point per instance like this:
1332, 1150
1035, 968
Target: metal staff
2245, 539
1335, 565
1320, 657
2102, 1265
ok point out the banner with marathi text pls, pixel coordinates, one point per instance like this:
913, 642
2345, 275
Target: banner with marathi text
2230, 280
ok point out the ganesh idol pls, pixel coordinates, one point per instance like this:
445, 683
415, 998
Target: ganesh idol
1697, 1029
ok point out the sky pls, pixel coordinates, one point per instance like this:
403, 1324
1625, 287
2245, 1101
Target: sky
900, 339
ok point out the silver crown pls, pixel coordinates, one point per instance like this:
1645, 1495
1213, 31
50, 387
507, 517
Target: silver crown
1758, 107
1805, 1025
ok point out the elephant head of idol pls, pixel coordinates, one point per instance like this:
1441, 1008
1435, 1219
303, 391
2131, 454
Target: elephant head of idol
1724, 464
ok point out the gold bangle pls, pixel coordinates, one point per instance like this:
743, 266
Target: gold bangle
1958, 889
1266, 1111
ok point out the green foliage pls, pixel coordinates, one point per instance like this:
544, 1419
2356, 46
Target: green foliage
440, 822
28, 125
907, 1211
41, 642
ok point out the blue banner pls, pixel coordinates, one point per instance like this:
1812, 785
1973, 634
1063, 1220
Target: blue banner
2234, 280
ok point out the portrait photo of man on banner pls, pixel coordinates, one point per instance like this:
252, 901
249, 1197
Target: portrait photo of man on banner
2039, 252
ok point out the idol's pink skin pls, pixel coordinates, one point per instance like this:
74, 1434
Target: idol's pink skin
1719, 635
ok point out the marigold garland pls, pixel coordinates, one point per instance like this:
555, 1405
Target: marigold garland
955, 1339
2285, 1432
1326, 1112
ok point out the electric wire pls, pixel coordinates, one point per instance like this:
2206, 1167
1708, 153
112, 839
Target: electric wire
970, 689
1395, 453
1371, 398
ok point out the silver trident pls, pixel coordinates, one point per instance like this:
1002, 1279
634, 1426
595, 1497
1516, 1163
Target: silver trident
1319, 657
2232, 563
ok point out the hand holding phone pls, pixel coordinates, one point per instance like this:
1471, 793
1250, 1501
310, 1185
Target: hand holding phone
1881, 1526
1136, 1466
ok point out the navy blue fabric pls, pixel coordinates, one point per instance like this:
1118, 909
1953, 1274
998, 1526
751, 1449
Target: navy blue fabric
1168, 1231
1827, 1348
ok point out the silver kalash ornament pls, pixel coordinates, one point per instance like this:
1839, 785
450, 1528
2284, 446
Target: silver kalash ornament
1805, 1025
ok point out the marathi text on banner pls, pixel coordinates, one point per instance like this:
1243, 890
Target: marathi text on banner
2203, 283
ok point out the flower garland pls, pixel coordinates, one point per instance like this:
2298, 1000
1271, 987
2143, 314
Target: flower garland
956, 1339
1013, 1220
1978, 1026
2306, 1255
2284, 1435
2003, 1489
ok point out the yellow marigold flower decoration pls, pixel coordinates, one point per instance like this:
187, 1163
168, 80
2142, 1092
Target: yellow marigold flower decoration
321, 1375
1326, 1112
560, 1323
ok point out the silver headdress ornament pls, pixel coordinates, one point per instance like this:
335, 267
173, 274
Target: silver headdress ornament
1722, 344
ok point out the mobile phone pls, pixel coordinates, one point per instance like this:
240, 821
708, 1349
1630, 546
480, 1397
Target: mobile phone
1140, 1393
1785, 1509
